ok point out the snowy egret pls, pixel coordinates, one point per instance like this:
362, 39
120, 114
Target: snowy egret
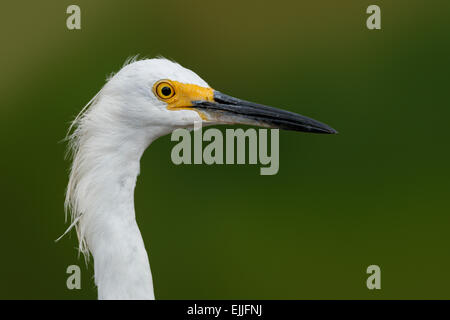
145, 100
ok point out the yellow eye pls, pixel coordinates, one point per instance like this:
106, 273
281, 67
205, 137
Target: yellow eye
164, 90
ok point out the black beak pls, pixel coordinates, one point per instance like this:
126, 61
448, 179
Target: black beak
227, 109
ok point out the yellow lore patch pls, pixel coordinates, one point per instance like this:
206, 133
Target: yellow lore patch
179, 96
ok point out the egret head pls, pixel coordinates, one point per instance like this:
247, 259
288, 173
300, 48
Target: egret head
143, 101
158, 94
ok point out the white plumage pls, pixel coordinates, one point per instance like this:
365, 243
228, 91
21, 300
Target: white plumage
108, 139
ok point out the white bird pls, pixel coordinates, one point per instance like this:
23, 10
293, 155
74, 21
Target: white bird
145, 100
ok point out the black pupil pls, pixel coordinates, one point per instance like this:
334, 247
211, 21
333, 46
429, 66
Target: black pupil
166, 91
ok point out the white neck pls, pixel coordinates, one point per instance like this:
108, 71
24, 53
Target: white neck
122, 269
101, 193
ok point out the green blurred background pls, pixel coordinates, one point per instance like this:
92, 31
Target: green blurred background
377, 193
